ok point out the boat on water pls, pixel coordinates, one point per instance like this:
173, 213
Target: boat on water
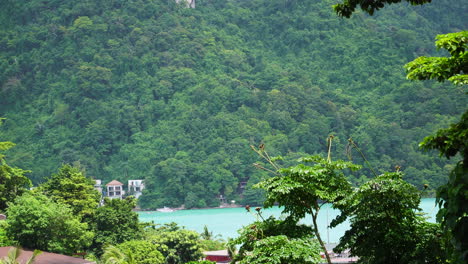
165, 210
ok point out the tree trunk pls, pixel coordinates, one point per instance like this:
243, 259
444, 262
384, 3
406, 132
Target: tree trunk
317, 234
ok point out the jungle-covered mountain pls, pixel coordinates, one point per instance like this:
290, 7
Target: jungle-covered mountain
151, 89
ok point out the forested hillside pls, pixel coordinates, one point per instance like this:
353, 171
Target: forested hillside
149, 89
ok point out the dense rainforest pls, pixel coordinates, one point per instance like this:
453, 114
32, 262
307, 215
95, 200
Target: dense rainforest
151, 89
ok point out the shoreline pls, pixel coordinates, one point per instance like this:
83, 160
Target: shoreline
183, 208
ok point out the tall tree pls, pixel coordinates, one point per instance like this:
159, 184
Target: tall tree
115, 223
452, 196
69, 186
302, 189
385, 225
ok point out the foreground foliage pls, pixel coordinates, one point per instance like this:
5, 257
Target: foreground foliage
4, 239
453, 195
453, 69
283, 250
133, 252
13, 181
385, 225
284, 241
115, 223
13, 255
301, 190
177, 246
37, 222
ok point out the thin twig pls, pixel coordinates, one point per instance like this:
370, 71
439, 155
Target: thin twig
350, 140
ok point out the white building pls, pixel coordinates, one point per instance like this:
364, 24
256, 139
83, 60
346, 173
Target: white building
98, 186
136, 187
189, 3
115, 189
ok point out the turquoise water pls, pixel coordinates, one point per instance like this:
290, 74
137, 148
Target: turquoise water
226, 221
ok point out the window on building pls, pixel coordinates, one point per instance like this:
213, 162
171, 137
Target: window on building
117, 188
111, 193
117, 193
111, 188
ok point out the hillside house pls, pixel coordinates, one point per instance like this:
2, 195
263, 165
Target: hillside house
115, 190
135, 187
98, 186
189, 3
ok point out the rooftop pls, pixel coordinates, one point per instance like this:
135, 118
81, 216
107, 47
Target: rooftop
44, 257
114, 183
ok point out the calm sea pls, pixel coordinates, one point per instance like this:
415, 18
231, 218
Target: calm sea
226, 221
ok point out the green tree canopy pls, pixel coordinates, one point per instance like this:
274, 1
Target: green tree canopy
114, 255
179, 246
125, 90
69, 186
281, 235
37, 222
452, 196
348, 7
13, 181
453, 69
385, 225
133, 252
302, 189
284, 250
115, 223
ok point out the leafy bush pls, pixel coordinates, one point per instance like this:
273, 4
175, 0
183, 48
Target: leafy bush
4, 240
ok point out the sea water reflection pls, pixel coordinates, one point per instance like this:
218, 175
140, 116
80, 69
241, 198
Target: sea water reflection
226, 221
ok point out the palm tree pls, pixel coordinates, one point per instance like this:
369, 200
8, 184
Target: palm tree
14, 254
113, 255
207, 235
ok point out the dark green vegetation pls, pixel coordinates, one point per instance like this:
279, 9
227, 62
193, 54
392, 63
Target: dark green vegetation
383, 212
150, 90
451, 142
302, 189
154, 91
385, 224
280, 241
61, 222
70, 187
135, 251
13, 181
37, 222
115, 223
